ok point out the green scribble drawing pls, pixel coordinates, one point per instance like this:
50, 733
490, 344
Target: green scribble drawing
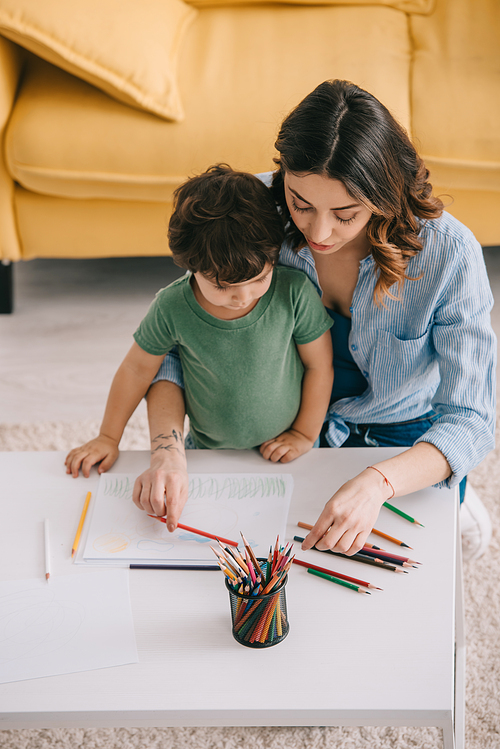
210, 487
121, 488
236, 488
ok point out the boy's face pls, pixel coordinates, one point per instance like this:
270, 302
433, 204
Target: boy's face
230, 301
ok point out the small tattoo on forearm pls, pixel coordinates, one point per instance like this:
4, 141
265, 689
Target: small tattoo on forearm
177, 436
168, 442
168, 448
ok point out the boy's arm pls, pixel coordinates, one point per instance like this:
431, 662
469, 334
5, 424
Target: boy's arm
129, 385
317, 358
163, 488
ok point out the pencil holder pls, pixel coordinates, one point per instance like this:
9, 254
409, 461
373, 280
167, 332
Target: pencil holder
259, 621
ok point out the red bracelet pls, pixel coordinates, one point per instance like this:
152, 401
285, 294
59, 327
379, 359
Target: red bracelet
386, 481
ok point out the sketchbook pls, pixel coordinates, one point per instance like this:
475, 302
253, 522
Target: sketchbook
222, 504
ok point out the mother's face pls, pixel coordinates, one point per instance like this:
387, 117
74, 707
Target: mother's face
324, 212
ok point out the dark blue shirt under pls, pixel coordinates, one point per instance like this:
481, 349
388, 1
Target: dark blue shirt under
347, 380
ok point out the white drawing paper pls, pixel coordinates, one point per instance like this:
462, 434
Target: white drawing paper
221, 504
72, 623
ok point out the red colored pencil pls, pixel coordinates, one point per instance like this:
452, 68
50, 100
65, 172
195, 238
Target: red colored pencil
198, 532
335, 574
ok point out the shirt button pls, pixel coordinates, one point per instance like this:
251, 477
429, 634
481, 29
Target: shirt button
351, 309
354, 347
365, 374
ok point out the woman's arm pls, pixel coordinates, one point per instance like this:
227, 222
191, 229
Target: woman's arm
317, 357
163, 488
351, 513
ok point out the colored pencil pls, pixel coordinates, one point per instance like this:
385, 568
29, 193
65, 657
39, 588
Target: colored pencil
390, 538
390, 554
402, 514
386, 557
358, 557
349, 579
80, 524
374, 530
337, 580
250, 551
197, 531
231, 564
47, 549
237, 556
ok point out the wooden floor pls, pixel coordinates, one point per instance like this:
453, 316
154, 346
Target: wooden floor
72, 325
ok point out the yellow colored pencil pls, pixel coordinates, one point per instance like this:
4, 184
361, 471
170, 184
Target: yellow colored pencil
80, 525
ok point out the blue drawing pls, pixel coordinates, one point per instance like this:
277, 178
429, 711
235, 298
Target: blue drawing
192, 537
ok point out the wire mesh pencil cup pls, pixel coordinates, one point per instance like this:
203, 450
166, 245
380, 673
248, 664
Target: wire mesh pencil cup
259, 621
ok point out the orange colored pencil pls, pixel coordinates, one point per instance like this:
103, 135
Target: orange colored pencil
80, 524
391, 538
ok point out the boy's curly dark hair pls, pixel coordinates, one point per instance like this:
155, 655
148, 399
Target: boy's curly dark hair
226, 225
343, 132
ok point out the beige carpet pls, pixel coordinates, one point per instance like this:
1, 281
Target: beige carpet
483, 652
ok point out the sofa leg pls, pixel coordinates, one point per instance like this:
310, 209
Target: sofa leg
6, 287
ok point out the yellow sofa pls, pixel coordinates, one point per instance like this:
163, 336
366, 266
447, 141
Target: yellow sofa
107, 105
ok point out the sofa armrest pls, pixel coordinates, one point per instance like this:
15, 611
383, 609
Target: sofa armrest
11, 63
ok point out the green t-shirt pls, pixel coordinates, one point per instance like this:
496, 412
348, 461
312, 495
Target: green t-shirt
242, 377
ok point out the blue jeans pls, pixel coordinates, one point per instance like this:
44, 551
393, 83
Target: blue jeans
400, 434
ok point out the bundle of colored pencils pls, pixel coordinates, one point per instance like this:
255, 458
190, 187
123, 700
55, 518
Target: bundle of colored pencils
257, 601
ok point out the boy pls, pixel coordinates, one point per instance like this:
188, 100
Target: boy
253, 338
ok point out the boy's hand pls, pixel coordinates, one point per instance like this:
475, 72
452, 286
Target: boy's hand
163, 489
286, 447
101, 449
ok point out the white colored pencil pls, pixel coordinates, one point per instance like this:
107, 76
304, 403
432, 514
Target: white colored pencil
47, 550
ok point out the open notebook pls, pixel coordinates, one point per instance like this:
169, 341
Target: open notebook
222, 504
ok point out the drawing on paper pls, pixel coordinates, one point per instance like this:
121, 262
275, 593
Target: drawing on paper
222, 504
36, 622
74, 623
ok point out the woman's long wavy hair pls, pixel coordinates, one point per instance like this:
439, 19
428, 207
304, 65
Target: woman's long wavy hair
343, 132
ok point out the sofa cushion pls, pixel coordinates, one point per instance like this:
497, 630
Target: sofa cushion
127, 48
455, 99
240, 71
59, 227
408, 6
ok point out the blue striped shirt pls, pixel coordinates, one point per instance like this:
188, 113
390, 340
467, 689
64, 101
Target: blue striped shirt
434, 348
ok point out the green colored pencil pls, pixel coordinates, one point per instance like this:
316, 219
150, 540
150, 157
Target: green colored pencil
338, 581
403, 514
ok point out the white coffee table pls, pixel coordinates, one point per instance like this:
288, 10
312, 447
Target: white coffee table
396, 657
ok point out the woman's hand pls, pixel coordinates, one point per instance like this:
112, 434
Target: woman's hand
286, 447
102, 449
349, 515
162, 490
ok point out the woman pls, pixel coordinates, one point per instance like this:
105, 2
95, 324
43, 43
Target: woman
406, 285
